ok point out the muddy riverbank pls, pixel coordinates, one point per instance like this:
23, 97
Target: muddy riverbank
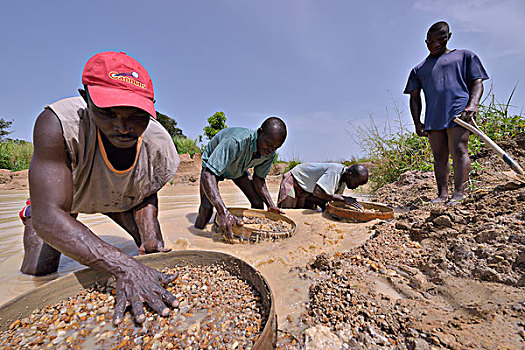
435, 277
453, 277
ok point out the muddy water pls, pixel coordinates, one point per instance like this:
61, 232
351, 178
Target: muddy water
277, 261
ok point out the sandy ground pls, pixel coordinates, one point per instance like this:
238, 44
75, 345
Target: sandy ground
458, 272
434, 278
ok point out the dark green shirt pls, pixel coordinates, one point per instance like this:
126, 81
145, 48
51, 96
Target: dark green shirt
230, 153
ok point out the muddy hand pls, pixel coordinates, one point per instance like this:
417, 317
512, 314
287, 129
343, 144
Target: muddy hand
354, 203
152, 245
225, 222
275, 210
141, 285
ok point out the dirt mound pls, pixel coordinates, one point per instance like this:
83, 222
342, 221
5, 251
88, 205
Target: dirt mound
13, 180
437, 276
189, 170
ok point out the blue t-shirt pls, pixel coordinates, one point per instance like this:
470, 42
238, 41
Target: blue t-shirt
444, 81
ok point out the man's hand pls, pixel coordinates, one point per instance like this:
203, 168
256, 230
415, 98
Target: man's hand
153, 245
420, 130
142, 285
275, 210
225, 222
469, 113
353, 202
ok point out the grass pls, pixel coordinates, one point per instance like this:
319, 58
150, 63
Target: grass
15, 155
291, 165
186, 145
395, 148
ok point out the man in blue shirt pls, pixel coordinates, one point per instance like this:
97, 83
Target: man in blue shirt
229, 155
452, 81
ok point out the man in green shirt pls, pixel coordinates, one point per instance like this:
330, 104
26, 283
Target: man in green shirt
229, 155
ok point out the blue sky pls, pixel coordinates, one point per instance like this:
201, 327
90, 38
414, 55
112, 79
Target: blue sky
323, 66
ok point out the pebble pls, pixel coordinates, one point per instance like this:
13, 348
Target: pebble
226, 314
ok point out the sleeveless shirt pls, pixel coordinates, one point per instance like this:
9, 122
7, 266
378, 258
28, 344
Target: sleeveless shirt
97, 186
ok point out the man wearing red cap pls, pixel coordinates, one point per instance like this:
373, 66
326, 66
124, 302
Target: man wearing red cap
101, 153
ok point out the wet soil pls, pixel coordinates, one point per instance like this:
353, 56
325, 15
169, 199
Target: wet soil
264, 224
435, 277
443, 277
216, 310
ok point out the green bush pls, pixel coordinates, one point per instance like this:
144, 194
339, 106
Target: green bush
186, 145
494, 120
397, 149
291, 165
15, 155
393, 149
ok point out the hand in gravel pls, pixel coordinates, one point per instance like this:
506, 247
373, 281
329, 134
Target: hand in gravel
143, 285
275, 210
153, 245
353, 202
225, 222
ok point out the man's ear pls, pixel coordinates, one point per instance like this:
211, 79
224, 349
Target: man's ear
449, 35
83, 93
259, 132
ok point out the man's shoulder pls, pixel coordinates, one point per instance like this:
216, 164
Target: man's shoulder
337, 167
329, 165
67, 103
426, 60
234, 133
466, 53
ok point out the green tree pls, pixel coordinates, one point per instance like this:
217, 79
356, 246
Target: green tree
217, 123
169, 124
4, 125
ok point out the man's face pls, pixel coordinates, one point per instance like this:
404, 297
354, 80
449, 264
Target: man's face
437, 42
122, 126
267, 144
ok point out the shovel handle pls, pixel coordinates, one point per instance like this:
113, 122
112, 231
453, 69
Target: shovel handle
491, 144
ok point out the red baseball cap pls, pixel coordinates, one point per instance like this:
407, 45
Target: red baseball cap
115, 79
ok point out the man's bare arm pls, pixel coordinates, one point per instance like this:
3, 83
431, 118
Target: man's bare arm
225, 219
261, 188
475, 92
51, 188
415, 111
320, 193
146, 217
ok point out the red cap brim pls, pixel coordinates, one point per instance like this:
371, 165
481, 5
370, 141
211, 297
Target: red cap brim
105, 97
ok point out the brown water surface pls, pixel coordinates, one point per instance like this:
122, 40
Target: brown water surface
277, 261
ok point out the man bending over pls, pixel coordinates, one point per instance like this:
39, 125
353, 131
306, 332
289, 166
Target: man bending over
309, 185
229, 155
101, 153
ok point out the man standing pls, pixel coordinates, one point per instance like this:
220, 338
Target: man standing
452, 81
101, 153
229, 155
309, 185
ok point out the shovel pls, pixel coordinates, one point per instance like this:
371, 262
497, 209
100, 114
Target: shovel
520, 174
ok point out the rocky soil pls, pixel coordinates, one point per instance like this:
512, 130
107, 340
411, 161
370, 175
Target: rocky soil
437, 277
